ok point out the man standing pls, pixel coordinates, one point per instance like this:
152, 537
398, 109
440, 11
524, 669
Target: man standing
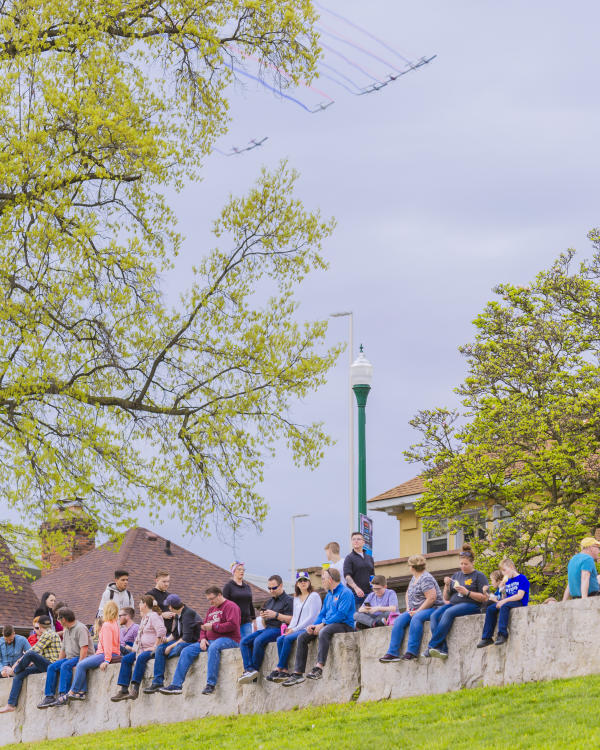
117, 592
129, 629
336, 616
185, 630
35, 661
582, 572
276, 612
160, 592
332, 550
358, 569
220, 631
12, 647
76, 645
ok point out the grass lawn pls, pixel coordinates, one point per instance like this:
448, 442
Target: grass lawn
560, 714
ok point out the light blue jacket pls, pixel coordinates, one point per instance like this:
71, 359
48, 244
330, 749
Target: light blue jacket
10, 652
337, 607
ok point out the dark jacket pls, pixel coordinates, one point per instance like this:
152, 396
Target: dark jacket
186, 626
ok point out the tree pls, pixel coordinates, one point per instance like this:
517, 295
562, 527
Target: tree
105, 392
527, 439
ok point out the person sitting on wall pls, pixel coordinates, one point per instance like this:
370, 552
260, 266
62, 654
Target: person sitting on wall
151, 634
515, 594
464, 591
277, 611
378, 605
581, 571
185, 629
336, 616
117, 592
128, 628
495, 590
77, 644
358, 569
108, 652
34, 661
12, 647
423, 597
220, 631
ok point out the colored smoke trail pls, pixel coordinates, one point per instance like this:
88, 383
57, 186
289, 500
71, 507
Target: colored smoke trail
350, 43
272, 88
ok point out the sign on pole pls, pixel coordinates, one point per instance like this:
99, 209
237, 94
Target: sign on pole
366, 529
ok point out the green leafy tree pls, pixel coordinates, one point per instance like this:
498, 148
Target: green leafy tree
106, 392
525, 447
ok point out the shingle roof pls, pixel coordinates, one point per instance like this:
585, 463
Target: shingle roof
16, 607
80, 583
414, 486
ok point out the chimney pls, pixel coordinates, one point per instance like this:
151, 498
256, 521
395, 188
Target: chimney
67, 535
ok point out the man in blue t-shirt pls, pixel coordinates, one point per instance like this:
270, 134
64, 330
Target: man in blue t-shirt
582, 572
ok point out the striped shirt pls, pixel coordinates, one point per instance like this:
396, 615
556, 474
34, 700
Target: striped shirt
48, 645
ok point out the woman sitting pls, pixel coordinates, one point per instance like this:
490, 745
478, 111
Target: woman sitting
515, 594
422, 598
151, 633
109, 650
307, 605
465, 594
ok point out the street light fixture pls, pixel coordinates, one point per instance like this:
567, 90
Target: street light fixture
350, 317
294, 517
361, 377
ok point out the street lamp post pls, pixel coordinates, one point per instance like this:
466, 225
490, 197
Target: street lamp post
294, 517
350, 317
361, 376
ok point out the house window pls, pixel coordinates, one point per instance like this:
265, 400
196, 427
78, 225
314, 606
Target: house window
477, 530
436, 540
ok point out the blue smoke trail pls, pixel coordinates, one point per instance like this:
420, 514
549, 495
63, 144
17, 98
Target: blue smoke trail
350, 43
341, 75
351, 62
272, 88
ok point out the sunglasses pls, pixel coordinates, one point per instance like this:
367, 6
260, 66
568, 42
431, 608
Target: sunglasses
272, 588
36, 627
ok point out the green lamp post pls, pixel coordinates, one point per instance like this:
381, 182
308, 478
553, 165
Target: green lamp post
361, 376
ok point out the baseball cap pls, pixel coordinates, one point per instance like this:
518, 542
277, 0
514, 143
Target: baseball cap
173, 601
302, 574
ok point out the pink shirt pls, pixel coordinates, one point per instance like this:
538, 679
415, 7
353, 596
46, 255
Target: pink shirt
109, 640
151, 628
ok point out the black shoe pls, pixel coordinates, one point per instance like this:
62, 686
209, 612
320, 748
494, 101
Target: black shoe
485, 642
134, 690
389, 658
122, 695
171, 690
154, 688
273, 676
49, 700
208, 690
408, 656
294, 679
500, 640
315, 674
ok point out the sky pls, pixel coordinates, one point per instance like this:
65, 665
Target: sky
478, 168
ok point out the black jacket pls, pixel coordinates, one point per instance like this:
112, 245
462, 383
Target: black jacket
186, 626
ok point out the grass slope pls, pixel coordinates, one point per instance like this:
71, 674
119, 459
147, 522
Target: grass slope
560, 714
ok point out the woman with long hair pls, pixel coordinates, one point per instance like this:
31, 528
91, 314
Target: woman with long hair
47, 607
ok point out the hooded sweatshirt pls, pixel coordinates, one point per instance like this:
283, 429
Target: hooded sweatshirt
120, 598
225, 620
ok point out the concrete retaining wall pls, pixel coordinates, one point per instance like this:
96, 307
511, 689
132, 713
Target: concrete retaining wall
547, 642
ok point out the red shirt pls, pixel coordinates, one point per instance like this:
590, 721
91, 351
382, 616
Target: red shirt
225, 620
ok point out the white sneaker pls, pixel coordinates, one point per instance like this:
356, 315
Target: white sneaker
249, 676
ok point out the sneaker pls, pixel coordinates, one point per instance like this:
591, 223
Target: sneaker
389, 658
62, 700
437, 653
500, 640
154, 688
251, 675
293, 679
122, 695
272, 677
281, 677
171, 690
208, 690
315, 674
485, 642
134, 691
408, 656
49, 700
426, 653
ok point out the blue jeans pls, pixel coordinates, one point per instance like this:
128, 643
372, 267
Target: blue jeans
415, 631
90, 662
443, 618
127, 666
160, 660
492, 614
191, 653
253, 647
63, 669
245, 629
284, 647
31, 663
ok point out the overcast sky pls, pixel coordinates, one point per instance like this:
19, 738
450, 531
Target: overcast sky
478, 168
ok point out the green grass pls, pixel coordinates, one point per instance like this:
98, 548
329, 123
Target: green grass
560, 714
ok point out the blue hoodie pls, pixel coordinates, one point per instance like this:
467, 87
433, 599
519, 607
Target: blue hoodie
338, 607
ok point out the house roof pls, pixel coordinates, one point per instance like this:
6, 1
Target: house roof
80, 583
414, 486
18, 605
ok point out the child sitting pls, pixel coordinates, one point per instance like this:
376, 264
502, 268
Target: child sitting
516, 594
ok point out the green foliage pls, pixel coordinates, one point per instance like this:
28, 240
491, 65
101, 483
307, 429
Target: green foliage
106, 393
520, 717
528, 438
